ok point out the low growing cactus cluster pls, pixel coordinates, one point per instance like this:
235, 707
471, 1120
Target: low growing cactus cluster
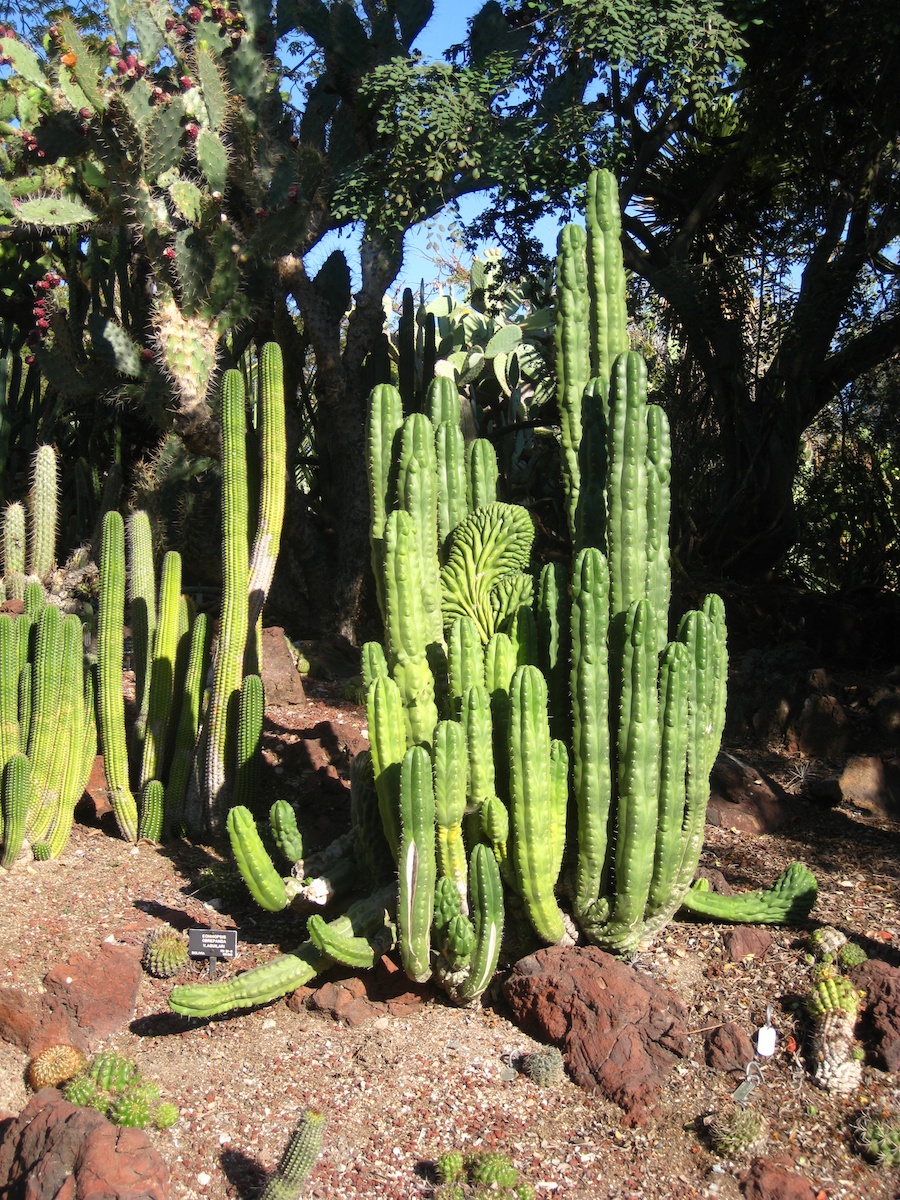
112, 1084
540, 748
482, 1175
737, 1132
877, 1137
545, 1067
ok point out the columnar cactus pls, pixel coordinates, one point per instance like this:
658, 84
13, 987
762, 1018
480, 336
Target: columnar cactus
301, 1152
642, 716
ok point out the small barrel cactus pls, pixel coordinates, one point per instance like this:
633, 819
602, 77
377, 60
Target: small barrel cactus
833, 1007
112, 1072
851, 955
165, 952
738, 1132
134, 1107
165, 1115
543, 1067
450, 1166
83, 1091
492, 1168
878, 1139
55, 1065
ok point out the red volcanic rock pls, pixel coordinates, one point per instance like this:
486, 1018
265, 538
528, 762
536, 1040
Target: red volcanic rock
55, 1151
97, 991
772, 1179
620, 1031
881, 983
729, 1048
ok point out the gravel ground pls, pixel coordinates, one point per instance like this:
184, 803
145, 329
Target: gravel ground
398, 1091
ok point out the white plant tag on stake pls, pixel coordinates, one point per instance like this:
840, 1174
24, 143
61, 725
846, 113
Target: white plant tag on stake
766, 1037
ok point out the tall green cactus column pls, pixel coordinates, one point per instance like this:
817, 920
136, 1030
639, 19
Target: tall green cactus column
222, 718
112, 700
264, 552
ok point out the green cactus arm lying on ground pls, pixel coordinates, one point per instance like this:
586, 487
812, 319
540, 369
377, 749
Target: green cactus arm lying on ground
788, 901
268, 982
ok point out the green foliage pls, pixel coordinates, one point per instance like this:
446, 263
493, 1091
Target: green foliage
845, 491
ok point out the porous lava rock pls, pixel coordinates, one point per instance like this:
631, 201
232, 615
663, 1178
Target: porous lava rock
620, 1031
85, 999
728, 1048
281, 679
55, 1151
747, 941
773, 1179
881, 983
98, 991
745, 799
355, 1000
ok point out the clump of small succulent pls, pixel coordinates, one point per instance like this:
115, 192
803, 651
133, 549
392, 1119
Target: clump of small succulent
112, 1084
825, 941
836, 1058
134, 1107
851, 955
111, 1071
84, 1092
165, 1114
165, 952
737, 1132
54, 1065
487, 1174
878, 1138
544, 1067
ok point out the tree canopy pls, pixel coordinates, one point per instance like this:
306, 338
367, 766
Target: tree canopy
181, 162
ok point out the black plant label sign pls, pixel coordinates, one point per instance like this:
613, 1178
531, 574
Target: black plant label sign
212, 943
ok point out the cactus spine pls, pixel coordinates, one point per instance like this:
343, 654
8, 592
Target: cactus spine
223, 705
43, 504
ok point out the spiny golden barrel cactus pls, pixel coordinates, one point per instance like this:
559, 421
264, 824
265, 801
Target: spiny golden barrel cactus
55, 1065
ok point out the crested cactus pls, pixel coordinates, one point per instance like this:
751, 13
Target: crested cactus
835, 1057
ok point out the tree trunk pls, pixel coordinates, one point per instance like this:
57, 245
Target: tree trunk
341, 393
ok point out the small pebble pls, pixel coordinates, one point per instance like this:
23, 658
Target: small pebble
203, 1179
